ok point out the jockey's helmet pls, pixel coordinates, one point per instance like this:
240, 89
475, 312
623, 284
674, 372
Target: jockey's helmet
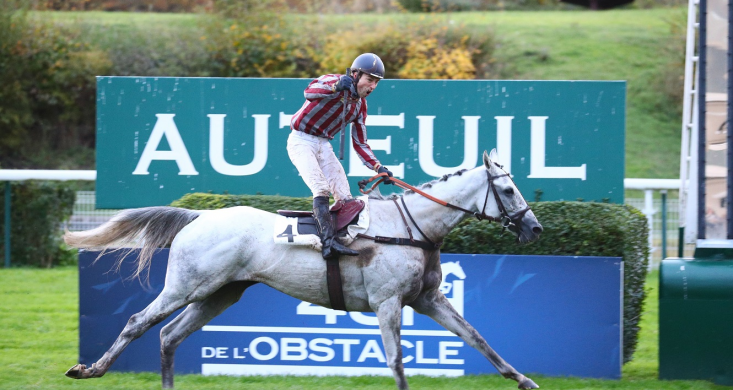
369, 63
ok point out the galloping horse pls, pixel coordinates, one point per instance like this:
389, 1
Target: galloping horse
216, 255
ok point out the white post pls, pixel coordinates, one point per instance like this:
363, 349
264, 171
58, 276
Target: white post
649, 212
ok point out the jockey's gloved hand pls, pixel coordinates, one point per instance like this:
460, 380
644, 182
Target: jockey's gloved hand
382, 169
345, 83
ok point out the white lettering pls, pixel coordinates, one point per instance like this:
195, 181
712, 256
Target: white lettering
256, 354
305, 308
425, 150
372, 120
420, 355
208, 352
456, 299
504, 141
216, 147
445, 352
372, 350
357, 168
406, 344
361, 318
237, 355
538, 170
347, 347
293, 349
315, 346
408, 317
221, 352
165, 126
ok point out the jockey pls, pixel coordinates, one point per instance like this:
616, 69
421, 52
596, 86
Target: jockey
317, 122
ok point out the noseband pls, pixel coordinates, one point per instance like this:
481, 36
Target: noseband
507, 220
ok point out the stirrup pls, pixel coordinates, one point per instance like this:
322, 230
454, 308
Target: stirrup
337, 249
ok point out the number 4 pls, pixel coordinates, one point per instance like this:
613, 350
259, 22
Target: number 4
288, 233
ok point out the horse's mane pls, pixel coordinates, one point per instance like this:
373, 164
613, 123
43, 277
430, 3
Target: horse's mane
378, 195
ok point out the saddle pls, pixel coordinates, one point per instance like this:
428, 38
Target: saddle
305, 229
343, 213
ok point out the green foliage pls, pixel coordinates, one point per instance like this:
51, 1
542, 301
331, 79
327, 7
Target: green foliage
270, 203
263, 49
49, 94
643, 47
15, 113
571, 229
433, 49
575, 229
124, 5
167, 53
37, 211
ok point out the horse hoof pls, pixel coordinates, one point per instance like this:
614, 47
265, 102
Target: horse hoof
528, 384
76, 371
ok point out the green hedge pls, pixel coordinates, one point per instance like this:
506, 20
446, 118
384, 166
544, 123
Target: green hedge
37, 211
571, 229
576, 229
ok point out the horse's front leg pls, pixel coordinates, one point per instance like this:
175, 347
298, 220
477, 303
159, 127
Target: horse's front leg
435, 305
389, 314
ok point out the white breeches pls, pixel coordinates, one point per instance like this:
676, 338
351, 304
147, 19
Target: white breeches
318, 165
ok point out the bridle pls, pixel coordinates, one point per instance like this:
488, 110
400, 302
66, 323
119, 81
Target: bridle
509, 221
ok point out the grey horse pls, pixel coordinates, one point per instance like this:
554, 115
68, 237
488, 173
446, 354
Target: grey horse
216, 255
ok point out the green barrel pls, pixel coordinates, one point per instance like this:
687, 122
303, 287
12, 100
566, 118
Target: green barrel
696, 320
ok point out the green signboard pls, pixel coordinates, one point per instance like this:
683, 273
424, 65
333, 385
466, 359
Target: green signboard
160, 138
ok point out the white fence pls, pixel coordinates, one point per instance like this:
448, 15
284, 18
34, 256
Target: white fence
86, 217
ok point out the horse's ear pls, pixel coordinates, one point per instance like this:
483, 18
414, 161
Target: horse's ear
487, 161
494, 155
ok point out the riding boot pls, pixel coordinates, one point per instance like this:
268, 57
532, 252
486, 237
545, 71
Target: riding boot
331, 246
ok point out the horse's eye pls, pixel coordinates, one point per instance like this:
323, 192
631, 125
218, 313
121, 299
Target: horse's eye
509, 191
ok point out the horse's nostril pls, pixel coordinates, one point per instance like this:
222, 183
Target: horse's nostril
537, 229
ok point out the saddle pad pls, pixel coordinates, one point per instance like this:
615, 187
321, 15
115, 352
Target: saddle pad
345, 212
288, 230
302, 230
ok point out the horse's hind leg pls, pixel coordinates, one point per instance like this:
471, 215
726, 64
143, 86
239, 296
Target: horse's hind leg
164, 305
435, 305
195, 316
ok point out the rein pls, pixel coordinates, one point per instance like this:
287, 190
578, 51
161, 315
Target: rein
402, 184
507, 220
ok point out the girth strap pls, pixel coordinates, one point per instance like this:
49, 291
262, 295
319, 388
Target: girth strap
401, 241
333, 279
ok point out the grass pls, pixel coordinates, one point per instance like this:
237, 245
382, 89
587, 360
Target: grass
39, 342
643, 47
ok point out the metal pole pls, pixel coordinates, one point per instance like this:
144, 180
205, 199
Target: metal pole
730, 117
649, 212
701, 135
7, 224
681, 242
664, 224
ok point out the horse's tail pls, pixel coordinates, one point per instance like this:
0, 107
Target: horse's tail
147, 228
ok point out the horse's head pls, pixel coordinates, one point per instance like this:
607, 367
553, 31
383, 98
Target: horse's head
504, 201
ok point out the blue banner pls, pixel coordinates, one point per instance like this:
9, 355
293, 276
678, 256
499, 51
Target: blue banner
551, 315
